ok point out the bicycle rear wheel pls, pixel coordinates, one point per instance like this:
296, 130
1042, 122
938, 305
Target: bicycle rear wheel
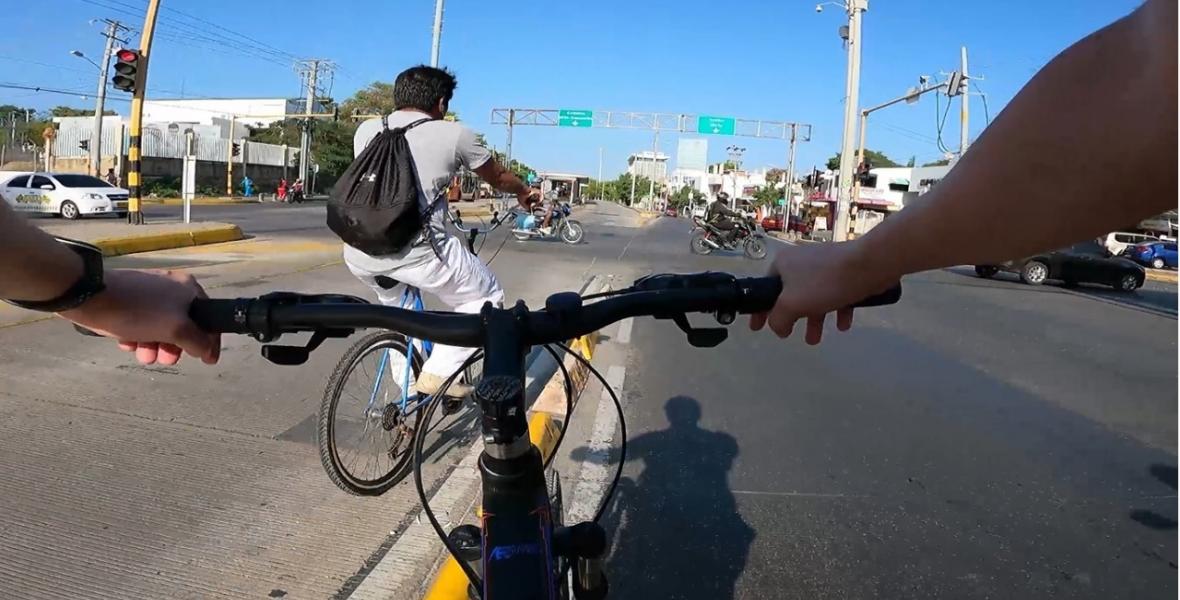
368, 415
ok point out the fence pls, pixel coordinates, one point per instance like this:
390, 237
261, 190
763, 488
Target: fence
161, 143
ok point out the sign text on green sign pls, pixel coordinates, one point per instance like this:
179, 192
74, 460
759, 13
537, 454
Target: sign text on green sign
715, 125
567, 117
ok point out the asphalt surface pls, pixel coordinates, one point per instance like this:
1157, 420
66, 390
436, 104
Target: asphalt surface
982, 439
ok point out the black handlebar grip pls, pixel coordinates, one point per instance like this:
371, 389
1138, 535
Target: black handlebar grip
219, 315
762, 292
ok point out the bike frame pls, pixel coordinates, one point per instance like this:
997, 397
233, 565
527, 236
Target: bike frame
412, 300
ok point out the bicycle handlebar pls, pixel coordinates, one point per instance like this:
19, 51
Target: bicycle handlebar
565, 316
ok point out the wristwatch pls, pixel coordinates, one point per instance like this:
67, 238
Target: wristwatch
89, 284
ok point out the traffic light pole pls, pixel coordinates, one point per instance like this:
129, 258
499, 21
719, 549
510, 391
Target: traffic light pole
134, 183
229, 157
111, 34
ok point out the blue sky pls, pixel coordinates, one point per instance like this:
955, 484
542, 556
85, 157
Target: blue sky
762, 59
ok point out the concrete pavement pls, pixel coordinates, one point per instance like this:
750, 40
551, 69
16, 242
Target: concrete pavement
203, 482
981, 439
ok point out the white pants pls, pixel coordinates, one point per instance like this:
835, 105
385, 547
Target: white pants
461, 281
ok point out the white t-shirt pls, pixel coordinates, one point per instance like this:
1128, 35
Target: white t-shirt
439, 148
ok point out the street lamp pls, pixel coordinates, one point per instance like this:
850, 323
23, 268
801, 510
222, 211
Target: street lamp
735, 156
79, 54
854, 8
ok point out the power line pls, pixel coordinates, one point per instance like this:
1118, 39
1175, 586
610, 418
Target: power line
986, 114
939, 124
205, 33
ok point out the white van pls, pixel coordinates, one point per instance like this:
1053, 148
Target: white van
70, 195
1117, 242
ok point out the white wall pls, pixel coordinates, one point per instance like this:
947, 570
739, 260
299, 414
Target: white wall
204, 111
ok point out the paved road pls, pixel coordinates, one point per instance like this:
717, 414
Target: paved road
983, 439
255, 219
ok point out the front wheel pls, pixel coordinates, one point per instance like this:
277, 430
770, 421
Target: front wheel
1157, 263
1034, 272
367, 418
755, 247
572, 232
69, 210
699, 244
1128, 283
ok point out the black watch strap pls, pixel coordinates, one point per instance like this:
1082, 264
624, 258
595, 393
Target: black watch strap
89, 284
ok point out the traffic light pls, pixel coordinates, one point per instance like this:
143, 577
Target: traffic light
126, 70
862, 173
84, 144
957, 84
237, 149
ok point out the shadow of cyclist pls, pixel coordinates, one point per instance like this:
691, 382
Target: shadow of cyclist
675, 528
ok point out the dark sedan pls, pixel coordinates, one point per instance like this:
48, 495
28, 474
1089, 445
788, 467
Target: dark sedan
1081, 263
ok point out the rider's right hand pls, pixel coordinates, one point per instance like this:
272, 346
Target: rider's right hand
819, 279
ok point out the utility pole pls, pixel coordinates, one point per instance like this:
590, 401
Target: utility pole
651, 187
851, 103
600, 186
229, 157
963, 142
134, 215
634, 168
111, 34
310, 70
511, 122
436, 37
790, 175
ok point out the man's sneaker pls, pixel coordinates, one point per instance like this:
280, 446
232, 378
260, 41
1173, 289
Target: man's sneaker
428, 385
545, 230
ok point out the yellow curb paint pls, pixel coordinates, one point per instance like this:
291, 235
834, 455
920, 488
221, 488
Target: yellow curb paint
1164, 276
451, 582
131, 244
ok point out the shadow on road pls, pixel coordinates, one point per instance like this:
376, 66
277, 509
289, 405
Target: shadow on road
677, 530
1166, 474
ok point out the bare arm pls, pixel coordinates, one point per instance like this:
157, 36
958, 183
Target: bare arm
504, 180
34, 265
1086, 147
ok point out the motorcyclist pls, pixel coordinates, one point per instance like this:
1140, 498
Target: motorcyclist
723, 218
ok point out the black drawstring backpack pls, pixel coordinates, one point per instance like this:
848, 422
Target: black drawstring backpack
374, 206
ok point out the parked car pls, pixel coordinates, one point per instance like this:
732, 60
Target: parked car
1082, 263
1118, 242
670, 212
1156, 255
794, 223
69, 195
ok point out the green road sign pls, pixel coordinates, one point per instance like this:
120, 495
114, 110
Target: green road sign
715, 125
567, 117
782, 202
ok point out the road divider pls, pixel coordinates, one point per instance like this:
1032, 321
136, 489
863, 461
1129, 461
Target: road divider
150, 240
546, 419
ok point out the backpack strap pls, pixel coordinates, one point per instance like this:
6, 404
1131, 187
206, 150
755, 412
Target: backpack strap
416, 123
385, 122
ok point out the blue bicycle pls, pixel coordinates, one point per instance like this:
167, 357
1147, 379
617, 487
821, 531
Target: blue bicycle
369, 413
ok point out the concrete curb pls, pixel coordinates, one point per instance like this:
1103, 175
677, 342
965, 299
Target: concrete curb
201, 201
131, 244
547, 414
1161, 275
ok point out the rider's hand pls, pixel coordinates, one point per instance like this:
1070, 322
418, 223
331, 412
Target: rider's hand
147, 312
528, 197
819, 279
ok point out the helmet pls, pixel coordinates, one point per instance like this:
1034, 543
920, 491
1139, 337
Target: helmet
722, 196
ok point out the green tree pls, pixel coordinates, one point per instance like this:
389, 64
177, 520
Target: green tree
67, 111
938, 163
911, 161
875, 158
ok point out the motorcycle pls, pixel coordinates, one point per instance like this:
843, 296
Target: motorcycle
560, 225
706, 238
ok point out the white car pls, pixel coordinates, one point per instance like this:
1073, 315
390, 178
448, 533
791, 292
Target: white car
1117, 242
70, 195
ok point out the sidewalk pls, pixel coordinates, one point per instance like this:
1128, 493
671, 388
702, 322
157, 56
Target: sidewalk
116, 238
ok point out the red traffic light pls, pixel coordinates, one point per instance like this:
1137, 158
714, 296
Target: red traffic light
127, 56
126, 67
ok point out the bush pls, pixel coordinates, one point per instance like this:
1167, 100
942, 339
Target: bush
162, 187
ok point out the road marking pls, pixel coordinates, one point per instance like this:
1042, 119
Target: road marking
401, 569
625, 326
777, 239
798, 494
596, 472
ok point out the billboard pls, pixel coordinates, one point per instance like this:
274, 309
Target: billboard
692, 153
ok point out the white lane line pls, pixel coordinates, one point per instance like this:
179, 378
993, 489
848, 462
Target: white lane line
403, 568
596, 469
798, 494
777, 239
624, 336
